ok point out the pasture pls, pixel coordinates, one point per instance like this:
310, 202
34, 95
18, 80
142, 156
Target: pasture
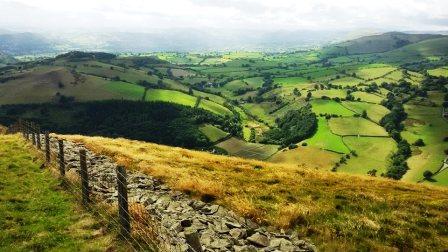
320, 106
372, 153
213, 133
368, 97
374, 111
240, 148
324, 139
425, 123
355, 126
309, 156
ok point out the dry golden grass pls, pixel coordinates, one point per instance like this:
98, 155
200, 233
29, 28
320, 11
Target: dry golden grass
338, 211
3, 129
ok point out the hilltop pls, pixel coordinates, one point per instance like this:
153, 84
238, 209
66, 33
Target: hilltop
376, 43
338, 211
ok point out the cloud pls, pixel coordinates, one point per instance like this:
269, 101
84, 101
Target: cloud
264, 15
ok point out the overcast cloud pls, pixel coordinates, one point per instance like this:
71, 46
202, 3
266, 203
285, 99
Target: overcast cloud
264, 15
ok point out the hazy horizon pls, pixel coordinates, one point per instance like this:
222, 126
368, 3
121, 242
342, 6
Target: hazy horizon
137, 16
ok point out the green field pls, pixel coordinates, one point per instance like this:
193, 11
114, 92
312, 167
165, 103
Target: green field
372, 153
214, 107
291, 81
321, 106
355, 126
170, 96
425, 123
326, 140
374, 111
332, 93
368, 97
373, 72
442, 71
213, 133
346, 81
126, 90
240, 148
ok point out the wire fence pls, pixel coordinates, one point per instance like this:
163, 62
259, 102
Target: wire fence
104, 191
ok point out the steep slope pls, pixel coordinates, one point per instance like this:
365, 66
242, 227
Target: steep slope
338, 211
376, 43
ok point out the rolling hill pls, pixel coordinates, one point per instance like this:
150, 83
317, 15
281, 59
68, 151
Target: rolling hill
376, 43
6, 59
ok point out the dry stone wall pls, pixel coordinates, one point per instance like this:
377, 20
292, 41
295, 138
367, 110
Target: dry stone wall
175, 214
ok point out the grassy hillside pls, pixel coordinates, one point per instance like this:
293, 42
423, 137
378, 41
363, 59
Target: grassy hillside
36, 213
376, 43
338, 211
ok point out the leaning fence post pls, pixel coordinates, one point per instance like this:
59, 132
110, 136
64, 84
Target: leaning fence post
47, 147
39, 145
61, 157
123, 207
84, 177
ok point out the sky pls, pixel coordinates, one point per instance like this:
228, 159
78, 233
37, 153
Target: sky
263, 15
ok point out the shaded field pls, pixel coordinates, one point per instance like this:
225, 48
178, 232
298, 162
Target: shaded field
240, 148
327, 204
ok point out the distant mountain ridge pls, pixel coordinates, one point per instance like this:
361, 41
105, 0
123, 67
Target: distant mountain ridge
377, 43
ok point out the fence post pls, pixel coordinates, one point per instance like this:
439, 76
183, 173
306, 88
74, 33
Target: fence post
61, 157
84, 177
33, 134
39, 144
123, 207
47, 147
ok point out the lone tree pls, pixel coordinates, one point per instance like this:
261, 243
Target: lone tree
428, 174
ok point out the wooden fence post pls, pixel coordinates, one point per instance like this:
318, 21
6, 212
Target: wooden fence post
47, 147
39, 144
84, 177
61, 157
33, 134
123, 207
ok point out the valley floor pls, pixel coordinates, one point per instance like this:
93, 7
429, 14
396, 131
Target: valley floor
36, 214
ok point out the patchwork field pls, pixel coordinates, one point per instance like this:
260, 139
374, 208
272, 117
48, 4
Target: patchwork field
425, 123
368, 97
308, 156
374, 72
332, 93
326, 140
292, 81
442, 71
320, 106
374, 111
355, 126
346, 81
372, 153
240, 148
170, 96
213, 133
